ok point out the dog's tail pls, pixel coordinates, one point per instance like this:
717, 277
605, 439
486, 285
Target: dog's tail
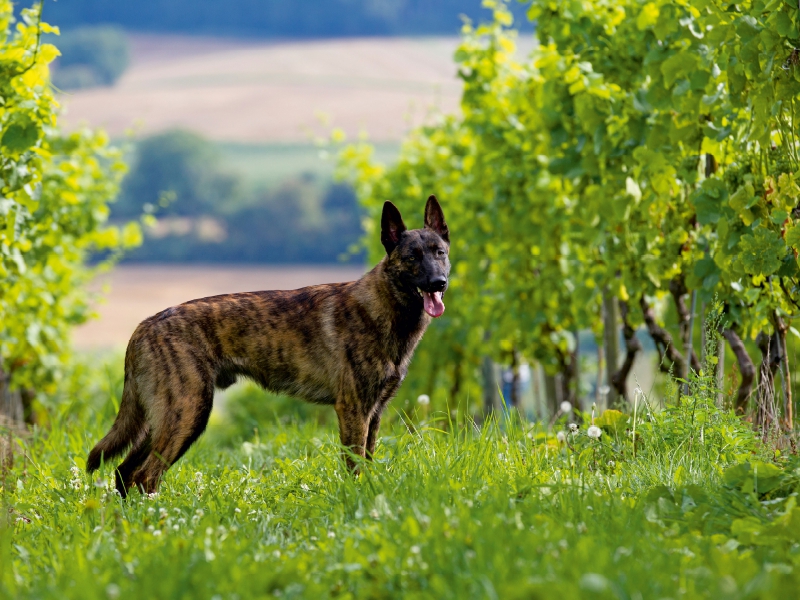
131, 419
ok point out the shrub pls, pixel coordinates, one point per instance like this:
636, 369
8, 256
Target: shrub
91, 56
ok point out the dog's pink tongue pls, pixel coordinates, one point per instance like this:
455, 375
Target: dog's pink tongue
433, 304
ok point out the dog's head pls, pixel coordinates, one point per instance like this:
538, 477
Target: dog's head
418, 258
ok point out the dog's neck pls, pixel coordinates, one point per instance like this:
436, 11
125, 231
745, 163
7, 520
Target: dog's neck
398, 313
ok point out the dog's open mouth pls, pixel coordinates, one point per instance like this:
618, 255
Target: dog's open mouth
432, 303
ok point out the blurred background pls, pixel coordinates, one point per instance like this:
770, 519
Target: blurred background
222, 108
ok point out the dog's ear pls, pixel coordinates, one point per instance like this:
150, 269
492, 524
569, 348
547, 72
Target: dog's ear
434, 219
392, 226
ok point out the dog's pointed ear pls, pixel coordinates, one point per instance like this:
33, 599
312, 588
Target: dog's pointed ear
392, 226
434, 219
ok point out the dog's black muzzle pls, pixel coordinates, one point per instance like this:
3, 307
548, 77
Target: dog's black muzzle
437, 284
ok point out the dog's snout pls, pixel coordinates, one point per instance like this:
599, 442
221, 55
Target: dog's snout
437, 284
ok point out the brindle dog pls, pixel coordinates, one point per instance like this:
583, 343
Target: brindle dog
344, 344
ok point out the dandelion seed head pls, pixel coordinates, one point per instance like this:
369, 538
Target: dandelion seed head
566, 406
423, 399
573, 427
561, 437
594, 432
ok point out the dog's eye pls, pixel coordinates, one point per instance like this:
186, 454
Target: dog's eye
440, 253
412, 258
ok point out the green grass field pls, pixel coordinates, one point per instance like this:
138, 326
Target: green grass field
269, 165
698, 509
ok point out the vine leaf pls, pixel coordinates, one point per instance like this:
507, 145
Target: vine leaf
20, 136
761, 252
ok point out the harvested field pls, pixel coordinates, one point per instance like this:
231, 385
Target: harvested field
138, 291
274, 92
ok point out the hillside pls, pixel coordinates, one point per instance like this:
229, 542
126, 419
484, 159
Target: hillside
273, 92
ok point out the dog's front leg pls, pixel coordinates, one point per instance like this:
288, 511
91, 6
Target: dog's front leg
353, 427
372, 434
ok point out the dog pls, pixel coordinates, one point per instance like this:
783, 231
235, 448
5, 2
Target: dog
344, 344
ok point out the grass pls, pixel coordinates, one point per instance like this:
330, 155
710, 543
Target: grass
447, 510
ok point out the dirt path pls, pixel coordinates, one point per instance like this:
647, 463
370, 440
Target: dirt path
136, 292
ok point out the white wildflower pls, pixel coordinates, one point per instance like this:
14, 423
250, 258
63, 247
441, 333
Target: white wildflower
573, 427
75, 483
566, 407
594, 432
561, 437
603, 390
423, 399
331, 534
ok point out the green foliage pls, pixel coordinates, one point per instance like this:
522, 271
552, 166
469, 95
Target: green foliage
179, 163
210, 212
55, 192
638, 145
91, 56
507, 510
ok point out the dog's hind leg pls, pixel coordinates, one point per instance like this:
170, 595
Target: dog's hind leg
178, 430
137, 455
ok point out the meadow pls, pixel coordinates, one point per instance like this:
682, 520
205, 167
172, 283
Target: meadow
699, 507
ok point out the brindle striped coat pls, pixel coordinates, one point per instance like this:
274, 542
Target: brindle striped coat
344, 344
